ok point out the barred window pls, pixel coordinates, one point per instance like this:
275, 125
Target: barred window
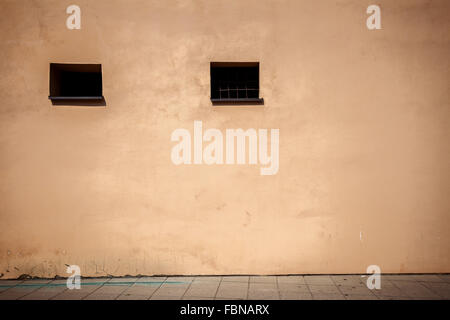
235, 82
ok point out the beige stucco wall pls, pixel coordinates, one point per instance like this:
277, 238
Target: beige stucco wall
364, 119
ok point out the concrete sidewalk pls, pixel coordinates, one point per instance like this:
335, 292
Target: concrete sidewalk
317, 287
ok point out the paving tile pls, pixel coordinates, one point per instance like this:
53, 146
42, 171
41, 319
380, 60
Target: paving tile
22, 289
202, 289
289, 287
171, 290
156, 297
445, 277
15, 293
147, 283
263, 279
393, 298
263, 291
291, 279
234, 284
295, 295
389, 292
360, 290
108, 291
442, 289
76, 294
319, 280
414, 289
45, 293
87, 288
133, 297
70, 296
322, 289
385, 283
264, 294
197, 298
237, 290
111, 289
235, 279
262, 286
402, 284
207, 279
175, 284
348, 280
426, 278
40, 296
319, 296
102, 296
398, 277
141, 290
8, 284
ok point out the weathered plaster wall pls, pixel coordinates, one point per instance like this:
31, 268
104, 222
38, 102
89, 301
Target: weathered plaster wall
364, 121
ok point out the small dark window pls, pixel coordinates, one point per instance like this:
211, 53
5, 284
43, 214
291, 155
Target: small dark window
235, 82
75, 81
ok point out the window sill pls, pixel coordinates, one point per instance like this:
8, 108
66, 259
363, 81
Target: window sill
78, 101
76, 98
244, 101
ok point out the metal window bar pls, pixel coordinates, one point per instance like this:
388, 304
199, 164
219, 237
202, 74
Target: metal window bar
237, 89
222, 92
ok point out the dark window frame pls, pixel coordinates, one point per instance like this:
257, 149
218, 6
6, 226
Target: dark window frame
235, 83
